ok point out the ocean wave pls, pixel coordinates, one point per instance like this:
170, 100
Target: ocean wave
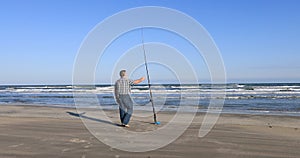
262, 98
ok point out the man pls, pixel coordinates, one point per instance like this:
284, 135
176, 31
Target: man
122, 96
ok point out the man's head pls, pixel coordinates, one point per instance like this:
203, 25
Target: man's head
123, 73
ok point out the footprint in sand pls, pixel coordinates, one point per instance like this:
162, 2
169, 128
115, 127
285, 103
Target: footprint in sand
17, 145
77, 140
65, 150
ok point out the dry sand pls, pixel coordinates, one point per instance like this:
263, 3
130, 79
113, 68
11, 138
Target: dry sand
32, 131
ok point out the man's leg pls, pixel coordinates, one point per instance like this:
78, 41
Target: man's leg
122, 109
129, 105
122, 114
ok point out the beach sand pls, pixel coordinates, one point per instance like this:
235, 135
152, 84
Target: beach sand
33, 131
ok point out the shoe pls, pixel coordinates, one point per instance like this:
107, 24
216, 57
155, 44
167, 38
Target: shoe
127, 126
122, 125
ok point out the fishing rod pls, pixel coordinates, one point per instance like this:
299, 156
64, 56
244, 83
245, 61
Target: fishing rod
148, 78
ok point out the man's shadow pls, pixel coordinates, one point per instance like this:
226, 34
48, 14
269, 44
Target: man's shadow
81, 115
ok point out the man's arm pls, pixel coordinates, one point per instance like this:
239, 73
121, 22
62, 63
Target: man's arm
139, 80
117, 93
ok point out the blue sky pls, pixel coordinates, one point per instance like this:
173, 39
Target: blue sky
258, 39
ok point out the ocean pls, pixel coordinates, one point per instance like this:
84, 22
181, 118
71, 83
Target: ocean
258, 98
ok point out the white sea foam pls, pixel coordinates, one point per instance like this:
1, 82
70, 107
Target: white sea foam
239, 97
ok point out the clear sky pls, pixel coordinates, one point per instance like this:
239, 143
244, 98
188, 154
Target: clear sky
259, 40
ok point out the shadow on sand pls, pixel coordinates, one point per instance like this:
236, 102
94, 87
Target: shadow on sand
81, 115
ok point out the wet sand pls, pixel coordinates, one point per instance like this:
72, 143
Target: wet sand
32, 131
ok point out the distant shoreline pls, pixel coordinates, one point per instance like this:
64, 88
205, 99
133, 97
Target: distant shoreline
139, 110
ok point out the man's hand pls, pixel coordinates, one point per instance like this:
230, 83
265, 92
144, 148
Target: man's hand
118, 100
139, 80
